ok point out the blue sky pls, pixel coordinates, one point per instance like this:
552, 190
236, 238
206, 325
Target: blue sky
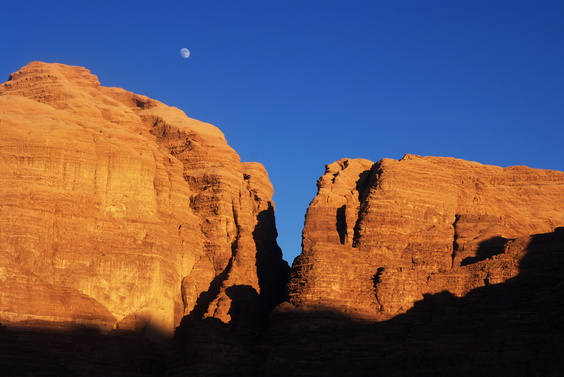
298, 84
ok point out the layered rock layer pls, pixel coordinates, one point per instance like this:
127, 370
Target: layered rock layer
511, 328
117, 211
120, 214
378, 237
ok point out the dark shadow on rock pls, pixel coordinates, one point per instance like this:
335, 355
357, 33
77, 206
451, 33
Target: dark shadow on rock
141, 324
248, 317
273, 272
515, 328
48, 349
210, 347
365, 180
362, 185
184, 339
486, 249
341, 224
205, 298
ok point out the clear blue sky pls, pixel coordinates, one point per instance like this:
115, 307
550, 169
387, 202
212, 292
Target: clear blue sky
298, 84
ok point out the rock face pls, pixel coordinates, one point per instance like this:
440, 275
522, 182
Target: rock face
425, 266
378, 237
119, 212
511, 328
124, 223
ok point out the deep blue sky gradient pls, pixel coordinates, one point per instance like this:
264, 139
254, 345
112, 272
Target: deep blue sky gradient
298, 84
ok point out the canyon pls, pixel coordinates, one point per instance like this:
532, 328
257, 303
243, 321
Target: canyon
134, 242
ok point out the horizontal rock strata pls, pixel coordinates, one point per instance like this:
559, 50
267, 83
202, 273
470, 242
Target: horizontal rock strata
379, 236
509, 328
119, 212
124, 223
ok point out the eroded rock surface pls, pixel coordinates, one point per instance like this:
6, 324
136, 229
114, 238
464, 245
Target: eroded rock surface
378, 237
425, 266
509, 328
119, 212
122, 221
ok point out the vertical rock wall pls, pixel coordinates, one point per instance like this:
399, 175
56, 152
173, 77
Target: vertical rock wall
379, 236
117, 211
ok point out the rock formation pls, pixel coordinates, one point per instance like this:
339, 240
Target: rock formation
510, 328
425, 266
378, 237
133, 242
119, 212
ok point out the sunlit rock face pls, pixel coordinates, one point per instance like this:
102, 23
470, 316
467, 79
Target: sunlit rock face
117, 211
380, 236
120, 214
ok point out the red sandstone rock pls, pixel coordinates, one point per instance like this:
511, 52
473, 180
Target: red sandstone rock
378, 237
117, 211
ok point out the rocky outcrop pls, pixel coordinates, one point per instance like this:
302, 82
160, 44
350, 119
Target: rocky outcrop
378, 237
119, 212
510, 328
425, 266
124, 223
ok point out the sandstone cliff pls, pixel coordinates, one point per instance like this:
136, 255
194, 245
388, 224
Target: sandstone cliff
379, 236
124, 223
511, 328
119, 212
425, 266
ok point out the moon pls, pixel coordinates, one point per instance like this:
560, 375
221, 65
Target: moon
185, 53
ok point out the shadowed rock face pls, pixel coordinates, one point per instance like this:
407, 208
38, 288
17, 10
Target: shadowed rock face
119, 212
510, 328
378, 237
